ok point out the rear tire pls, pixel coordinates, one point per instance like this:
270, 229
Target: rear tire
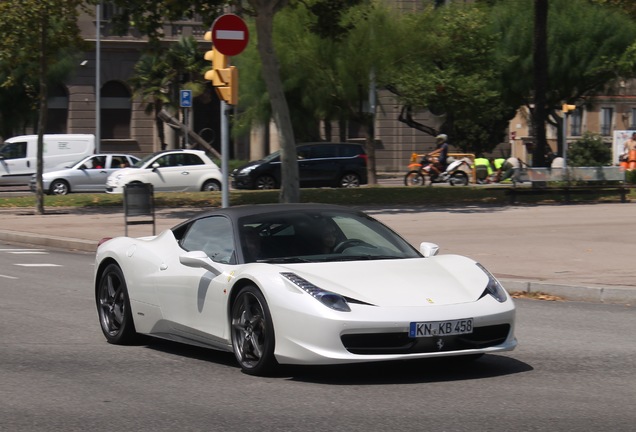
414, 178
349, 180
211, 186
459, 178
113, 307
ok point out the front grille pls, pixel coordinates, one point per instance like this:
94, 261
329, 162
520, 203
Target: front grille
401, 343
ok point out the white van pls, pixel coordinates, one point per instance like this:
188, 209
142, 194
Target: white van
18, 155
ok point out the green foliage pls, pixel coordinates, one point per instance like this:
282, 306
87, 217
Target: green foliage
453, 71
39, 43
589, 151
630, 176
586, 44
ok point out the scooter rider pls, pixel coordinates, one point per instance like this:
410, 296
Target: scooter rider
441, 151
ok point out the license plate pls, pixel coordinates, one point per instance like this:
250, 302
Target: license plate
441, 328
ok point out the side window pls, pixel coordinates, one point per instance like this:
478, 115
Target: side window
94, 162
322, 152
14, 150
350, 151
213, 235
192, 159
303, 152
118, 162
163, 161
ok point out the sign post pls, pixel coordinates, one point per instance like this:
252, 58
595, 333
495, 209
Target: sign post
185, 101
229, 37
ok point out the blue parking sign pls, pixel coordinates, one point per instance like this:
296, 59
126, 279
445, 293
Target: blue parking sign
186, 98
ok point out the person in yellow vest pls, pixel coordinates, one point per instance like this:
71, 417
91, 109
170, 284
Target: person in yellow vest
483, 169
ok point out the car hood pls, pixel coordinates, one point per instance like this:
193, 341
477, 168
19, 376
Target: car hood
248, 165
416, 282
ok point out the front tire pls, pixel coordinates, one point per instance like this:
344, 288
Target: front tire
253, 332
414, 178
113, 307
59, 187
265, 182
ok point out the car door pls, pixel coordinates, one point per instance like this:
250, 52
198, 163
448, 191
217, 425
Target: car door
318, 165
194, 299
176, 172
91, 175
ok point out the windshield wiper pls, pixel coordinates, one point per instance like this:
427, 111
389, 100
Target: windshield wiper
361, 257
284, 260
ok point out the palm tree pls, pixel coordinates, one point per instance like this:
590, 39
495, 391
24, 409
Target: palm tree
152, 83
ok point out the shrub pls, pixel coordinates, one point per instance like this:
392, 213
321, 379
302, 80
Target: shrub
589, 151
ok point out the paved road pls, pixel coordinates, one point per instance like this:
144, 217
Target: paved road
572, 371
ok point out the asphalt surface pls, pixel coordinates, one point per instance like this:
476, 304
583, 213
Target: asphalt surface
575, 252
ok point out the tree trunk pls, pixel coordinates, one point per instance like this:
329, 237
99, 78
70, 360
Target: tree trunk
539, 117
39, 190
265, 10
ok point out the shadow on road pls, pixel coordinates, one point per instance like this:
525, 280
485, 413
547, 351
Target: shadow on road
381, 373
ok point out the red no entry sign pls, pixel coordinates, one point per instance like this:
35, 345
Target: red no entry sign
229, 34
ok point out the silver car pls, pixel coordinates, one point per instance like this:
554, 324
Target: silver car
86, 175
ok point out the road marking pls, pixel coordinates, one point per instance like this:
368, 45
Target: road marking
38, 265
34, 252
7, 277
21, 250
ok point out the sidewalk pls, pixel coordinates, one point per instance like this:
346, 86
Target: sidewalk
578, 252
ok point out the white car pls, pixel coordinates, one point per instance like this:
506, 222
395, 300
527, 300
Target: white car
309, 284
170, 171
87, 175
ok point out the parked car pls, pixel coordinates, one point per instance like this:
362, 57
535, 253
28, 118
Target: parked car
310, 284
87, 175
319, 164
170, 170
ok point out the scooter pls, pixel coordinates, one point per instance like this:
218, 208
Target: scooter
454, 174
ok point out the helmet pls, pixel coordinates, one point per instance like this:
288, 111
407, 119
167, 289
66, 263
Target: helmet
441, 138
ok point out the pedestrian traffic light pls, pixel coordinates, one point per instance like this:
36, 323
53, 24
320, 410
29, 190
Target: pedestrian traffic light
229, 90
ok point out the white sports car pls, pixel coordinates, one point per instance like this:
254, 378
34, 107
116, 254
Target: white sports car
299, 284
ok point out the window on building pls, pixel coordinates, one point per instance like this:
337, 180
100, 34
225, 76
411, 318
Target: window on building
57, 114
607, 115
116, 110
576, 120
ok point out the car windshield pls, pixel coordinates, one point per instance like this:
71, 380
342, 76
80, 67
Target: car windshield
272, 156
319, 236
141, 162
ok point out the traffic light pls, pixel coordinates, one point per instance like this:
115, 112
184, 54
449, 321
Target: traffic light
566, 108
224, 78
229, 91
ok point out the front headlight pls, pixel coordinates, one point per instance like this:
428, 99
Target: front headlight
331, 300
493, 287
247, 170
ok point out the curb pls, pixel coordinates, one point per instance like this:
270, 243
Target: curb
50, 241
611, 295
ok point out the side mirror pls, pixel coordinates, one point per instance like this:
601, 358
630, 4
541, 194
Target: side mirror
155, 165
199, 259
428, 249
